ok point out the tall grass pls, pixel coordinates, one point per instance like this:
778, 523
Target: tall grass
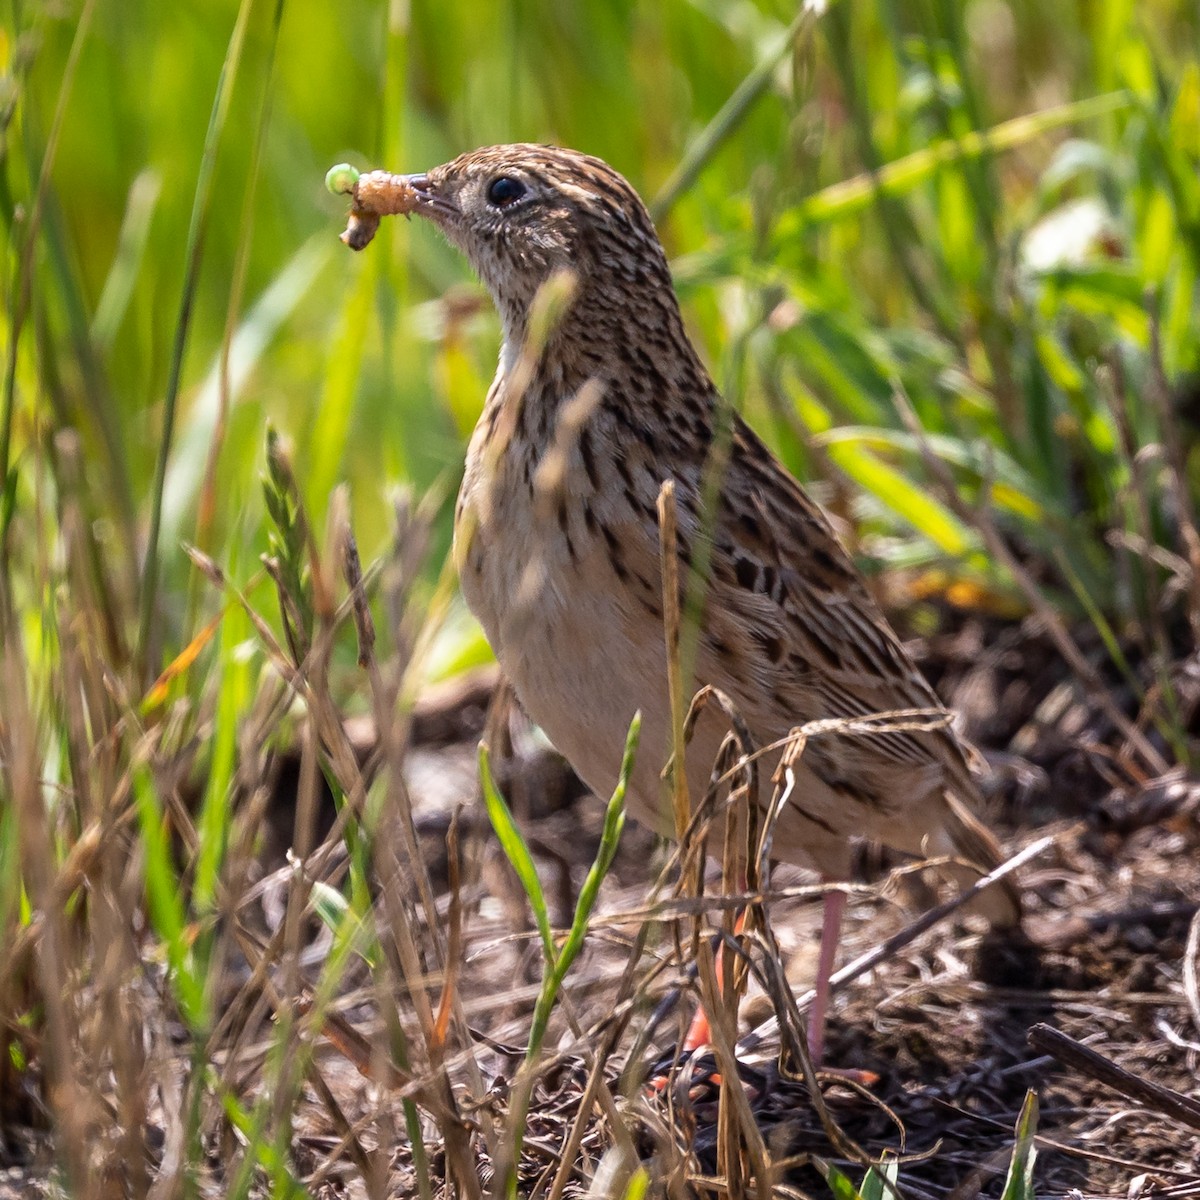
956, 245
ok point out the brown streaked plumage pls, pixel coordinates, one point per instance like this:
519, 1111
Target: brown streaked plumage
557, 537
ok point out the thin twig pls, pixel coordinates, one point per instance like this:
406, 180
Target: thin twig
668, 550
1075, 1054
735, 1104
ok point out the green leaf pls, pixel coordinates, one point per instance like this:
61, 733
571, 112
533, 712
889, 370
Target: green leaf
512, 842
1019, 1183
906, 499
840, 1184
880, 1181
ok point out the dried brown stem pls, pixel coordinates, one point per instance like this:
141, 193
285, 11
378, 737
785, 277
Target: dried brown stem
1075, 1054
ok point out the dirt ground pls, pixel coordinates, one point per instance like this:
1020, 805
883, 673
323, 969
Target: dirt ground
943, 1023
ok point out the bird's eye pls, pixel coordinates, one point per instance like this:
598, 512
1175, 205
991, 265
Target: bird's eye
503, 190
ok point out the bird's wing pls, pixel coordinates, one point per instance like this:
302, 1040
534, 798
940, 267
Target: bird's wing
787, 601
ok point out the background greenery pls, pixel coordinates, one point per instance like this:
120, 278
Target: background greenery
1003, 288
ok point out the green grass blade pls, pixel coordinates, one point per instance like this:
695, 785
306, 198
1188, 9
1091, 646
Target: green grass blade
164, 894
882, 1180
638, 1186
732, 112
610, 837
22, 281
851, 196
236, 694
193, 252
352, 933
906, 499
840, 1184
1019, 1183
558, 966
127, 262
331, 423
1011, 487
512, 842
262, 323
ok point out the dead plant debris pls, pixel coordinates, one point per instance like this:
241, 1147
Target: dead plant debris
943, 1023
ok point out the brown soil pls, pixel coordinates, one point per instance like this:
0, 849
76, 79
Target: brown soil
943, 1023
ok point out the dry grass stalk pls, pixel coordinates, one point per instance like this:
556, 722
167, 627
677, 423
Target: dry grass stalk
1167, 1101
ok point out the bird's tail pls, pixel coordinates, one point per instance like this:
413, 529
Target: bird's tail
964, 836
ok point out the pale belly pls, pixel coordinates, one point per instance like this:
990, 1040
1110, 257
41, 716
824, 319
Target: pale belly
579, 654
581, 673
584, 652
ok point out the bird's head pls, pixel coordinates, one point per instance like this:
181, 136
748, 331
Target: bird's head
523, 212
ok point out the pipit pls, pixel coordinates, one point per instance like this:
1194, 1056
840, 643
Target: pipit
598, 399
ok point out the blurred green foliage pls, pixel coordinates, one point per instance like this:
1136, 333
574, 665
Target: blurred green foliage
1038, 199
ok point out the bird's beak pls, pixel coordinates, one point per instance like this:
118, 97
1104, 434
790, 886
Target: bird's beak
430, 200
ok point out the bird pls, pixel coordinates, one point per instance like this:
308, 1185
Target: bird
599, 398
